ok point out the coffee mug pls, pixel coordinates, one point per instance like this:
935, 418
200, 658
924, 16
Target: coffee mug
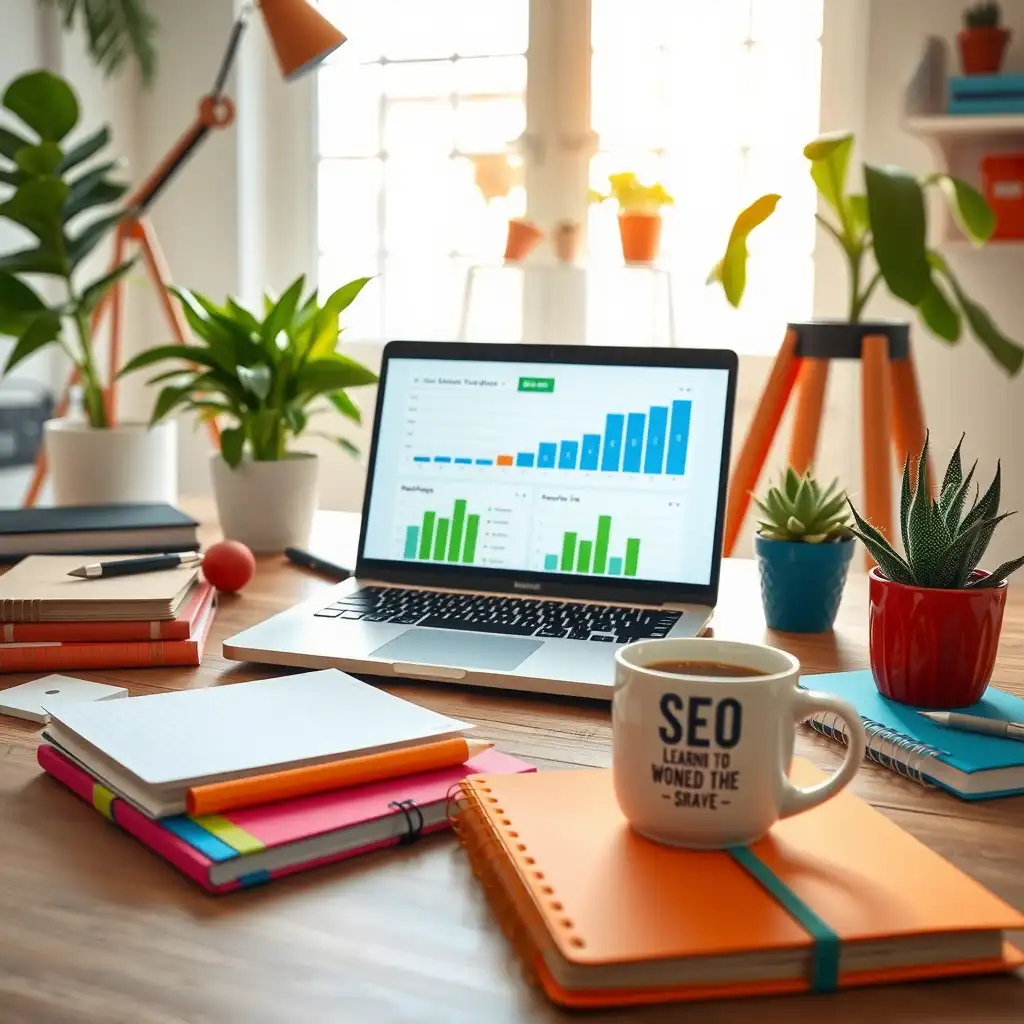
703, 761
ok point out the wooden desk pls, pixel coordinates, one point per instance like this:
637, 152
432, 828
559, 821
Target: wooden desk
94, 928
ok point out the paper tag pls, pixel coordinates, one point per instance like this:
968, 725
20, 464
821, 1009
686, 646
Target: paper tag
31, 700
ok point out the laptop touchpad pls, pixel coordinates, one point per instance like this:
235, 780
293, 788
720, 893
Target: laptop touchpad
454, 648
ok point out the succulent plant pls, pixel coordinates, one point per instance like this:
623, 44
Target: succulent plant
800, 510
942, 546
984, 15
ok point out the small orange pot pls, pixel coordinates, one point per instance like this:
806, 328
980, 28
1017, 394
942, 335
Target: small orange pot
641, 236
523, 238
567, 240
982, 49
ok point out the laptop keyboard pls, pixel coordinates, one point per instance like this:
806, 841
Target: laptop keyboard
512, 616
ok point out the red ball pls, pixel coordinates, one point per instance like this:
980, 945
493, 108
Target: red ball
229, 565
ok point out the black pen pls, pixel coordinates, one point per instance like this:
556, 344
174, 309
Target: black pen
134, 566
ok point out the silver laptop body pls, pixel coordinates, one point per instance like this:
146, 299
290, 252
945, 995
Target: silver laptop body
527, 510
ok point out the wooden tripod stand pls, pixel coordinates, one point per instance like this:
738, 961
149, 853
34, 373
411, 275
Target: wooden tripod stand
135, 230
890, 403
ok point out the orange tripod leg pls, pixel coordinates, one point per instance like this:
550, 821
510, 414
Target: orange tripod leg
908, 427
810, 400
759, 438
876, 416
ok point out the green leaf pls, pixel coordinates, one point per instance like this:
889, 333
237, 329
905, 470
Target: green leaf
732, 270
93, 295
232, 445
347, 446
168, 399
938, 314
341, 401
858, 206
969, 207
320, 376
92, 190
19, 305
242, 316
905, 495
897, 215
953, 477
86, 149
257, 379
281, 313
927, 540
1007, 353
188, 353
296, 419
998, 574
46, 103
36, 206
33, 261
40, 161
889, 561
39, 333
952, 570
341, 299
954, 505
11, 143
82, 244
13, 178
986, 508
830, 160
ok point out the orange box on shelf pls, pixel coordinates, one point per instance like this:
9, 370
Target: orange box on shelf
1002, 180
504, 460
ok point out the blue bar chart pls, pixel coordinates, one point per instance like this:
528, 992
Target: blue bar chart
653, 443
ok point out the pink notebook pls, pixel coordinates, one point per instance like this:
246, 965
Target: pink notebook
247, 847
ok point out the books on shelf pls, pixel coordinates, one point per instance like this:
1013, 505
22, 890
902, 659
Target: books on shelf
839, 896
136, 765
986, 94
95, 529
972, 766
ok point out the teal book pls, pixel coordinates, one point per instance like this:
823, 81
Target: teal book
973, 766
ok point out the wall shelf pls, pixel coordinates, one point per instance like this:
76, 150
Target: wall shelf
962, 126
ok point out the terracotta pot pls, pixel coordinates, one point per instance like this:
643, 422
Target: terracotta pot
933, 648
523, 238
567, 240
982, 49
641, 236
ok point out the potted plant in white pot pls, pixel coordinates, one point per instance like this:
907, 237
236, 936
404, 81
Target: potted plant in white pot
934, 617
263, 378
803, 548
63, 200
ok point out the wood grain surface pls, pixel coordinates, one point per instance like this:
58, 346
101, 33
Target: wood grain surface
95, 929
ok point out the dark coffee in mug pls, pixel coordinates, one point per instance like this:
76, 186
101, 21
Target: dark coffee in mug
708, 669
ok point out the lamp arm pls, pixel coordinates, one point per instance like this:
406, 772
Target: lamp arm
231, 52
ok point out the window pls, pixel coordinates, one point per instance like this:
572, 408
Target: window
428, 144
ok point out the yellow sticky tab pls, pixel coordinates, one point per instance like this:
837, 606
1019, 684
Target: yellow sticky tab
102, 800
228, 832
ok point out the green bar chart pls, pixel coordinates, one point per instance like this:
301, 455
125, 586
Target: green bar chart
450, 538
594, 557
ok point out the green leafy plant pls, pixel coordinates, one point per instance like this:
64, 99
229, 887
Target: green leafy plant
56, 189
268, 376
984, 15
625, 188
887, 225
116, 31
799, 509
942, 545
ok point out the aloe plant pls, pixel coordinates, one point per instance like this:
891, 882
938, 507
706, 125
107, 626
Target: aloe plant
802, 511
942, 545
265, 376
886, 225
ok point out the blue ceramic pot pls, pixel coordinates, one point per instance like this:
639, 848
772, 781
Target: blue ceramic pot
802, 584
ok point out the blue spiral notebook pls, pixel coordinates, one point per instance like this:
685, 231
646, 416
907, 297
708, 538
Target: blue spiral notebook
972, 766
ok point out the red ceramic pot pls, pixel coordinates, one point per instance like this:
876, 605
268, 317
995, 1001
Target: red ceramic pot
982, 49
933, 648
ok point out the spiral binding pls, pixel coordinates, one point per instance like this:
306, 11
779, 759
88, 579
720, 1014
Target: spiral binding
887, 747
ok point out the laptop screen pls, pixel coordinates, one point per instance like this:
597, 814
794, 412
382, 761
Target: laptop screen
551, 468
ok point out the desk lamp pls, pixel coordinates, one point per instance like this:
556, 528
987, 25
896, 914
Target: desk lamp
301, 38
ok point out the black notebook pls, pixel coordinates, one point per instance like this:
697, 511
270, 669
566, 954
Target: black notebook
95, 529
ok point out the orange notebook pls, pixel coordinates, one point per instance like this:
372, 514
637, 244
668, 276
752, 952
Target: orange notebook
51, 656
839, 896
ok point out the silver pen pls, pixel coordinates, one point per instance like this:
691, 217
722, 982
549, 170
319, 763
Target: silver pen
975, 723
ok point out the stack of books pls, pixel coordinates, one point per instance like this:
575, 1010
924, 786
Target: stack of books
986, 94
50, 621
151, 764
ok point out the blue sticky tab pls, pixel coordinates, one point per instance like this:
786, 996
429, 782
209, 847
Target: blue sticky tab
827, 944
198, 838
254, 878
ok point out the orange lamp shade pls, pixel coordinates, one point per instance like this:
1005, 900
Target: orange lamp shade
301, 36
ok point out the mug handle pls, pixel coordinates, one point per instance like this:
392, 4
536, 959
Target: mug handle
807, 703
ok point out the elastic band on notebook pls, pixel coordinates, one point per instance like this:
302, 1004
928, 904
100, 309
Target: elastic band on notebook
103, 800
827, 944
413, 820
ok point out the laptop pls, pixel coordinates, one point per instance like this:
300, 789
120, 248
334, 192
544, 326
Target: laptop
527, 510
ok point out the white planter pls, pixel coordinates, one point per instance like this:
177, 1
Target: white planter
127, 464
268, 506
